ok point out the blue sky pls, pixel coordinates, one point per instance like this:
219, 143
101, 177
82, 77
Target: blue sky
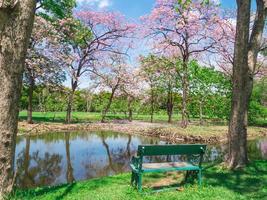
134, 8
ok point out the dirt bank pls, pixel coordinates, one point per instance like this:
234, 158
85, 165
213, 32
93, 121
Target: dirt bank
168, 132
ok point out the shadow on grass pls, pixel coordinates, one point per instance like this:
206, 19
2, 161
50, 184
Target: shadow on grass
157, 182
63, 190
249, 181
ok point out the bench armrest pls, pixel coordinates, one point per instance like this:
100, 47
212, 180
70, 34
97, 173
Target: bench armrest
136, 162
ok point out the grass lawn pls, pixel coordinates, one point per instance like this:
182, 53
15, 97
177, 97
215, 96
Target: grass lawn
219, 184
90, 116
78, 117
96, 116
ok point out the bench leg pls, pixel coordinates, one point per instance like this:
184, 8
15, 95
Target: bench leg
190, 176
133, 178
139, 182
186, 176
199, 177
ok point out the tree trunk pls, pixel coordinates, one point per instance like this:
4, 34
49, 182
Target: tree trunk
130, 109
88, 104
184, 122
69, 107
201, 112
237, 126
16, 20
30, 96
152, 106
170, 105
74, 85
105, 111
245, 59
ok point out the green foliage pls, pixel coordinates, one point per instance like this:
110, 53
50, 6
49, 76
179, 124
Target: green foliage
209, 91
55, 9
258, 102
74, 32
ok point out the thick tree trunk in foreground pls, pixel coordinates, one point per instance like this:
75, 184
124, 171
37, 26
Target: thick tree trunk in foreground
245, 58
30, 96
237, 125
16, 20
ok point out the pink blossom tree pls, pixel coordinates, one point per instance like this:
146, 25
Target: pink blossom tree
88, 39
40, 69
111, 74
223, 58
184, 26
132, 88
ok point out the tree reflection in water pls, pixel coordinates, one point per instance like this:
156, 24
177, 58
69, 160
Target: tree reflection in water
65, 157
117, 159
69, 173
263, 147
36, 170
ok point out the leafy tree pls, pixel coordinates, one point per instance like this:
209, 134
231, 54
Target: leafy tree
206, 86
258, 103
55, 9
39, 68
182, 29
165, 73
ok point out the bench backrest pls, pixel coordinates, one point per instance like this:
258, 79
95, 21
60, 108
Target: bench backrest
181, 149
159, 150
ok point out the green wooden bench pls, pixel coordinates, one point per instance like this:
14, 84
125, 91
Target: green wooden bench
193, 152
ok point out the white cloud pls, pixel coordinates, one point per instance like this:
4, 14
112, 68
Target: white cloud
98, 3
104, 4
216, 2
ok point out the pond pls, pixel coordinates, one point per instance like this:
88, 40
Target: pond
56, 158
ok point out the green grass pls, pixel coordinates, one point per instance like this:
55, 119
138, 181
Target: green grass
79, 117
90, 116
219, 184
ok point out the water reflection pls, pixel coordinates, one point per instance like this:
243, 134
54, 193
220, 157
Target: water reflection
57, 158
35, 168
262, 146
69, 173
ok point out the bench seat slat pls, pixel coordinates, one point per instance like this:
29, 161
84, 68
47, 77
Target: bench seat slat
168, 166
